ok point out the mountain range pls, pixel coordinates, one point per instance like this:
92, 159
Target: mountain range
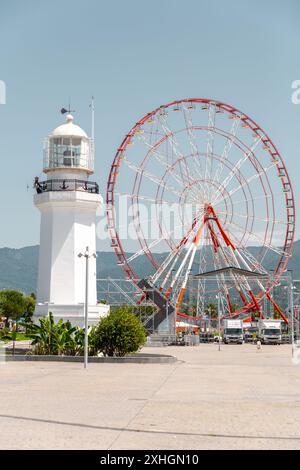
18, 266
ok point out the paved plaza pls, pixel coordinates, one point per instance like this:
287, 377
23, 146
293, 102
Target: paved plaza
239, 398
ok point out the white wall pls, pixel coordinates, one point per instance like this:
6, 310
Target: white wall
67, 227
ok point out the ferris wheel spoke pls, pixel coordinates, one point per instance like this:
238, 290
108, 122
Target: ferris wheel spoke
150, 176
248, 181
175, 147
237, 167
139, 224
244, 253
254, 217
252, 260
184, 168
252, 264
210, 145
142, 198
257, 266
187, 184
254, 198
142, 252
201, 283
169, 263
163, 160
261, 240
188, 228
186, 265
228, 145
150, 134
242, 282
193, 144
167, 234
230, 258
174, 255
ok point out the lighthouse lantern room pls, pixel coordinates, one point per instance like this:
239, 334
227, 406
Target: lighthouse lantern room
69, 147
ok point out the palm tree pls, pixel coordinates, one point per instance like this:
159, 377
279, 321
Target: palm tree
212, 310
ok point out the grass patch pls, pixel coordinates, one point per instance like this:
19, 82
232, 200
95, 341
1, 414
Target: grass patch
19, 337
23, 337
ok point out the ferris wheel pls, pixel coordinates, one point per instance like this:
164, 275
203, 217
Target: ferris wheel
195, 187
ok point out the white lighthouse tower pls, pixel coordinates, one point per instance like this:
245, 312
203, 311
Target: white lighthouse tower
68, 203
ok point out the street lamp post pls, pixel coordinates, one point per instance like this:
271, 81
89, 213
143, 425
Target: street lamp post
209, 318
290, 297
87, 256
167, 318
296, 296
291, 305
175, 311
219, 319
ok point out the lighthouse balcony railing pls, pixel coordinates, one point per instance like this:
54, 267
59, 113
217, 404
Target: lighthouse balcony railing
66, 185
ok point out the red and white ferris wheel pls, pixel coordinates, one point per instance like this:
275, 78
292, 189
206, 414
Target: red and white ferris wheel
197, 186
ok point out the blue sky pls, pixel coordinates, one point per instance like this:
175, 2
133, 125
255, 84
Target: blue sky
134, 56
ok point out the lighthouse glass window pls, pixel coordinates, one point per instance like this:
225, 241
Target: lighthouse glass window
65, 151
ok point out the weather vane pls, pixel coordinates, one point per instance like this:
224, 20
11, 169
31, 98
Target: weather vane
69, 110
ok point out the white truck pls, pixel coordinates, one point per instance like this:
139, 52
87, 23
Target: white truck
269, 331
233, 331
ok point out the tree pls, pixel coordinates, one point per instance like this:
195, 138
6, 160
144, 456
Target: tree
256, 314
276, 314
29, 306
12, 305
119, 333
211, 310
186, 309
189, 309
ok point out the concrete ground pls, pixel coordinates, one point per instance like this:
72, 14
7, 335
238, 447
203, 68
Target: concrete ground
239, 398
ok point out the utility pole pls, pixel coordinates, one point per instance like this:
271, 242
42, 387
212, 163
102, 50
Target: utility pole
92, 106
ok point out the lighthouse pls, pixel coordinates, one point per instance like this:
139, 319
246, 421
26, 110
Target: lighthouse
68, 202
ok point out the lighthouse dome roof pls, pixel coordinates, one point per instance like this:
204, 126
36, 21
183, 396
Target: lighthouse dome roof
68, 129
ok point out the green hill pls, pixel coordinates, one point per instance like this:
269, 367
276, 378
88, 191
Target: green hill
18, 267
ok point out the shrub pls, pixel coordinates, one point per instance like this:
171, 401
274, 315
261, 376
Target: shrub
3, 333
119, 333
59, 338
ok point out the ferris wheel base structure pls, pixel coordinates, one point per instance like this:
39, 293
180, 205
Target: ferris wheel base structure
165, 315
